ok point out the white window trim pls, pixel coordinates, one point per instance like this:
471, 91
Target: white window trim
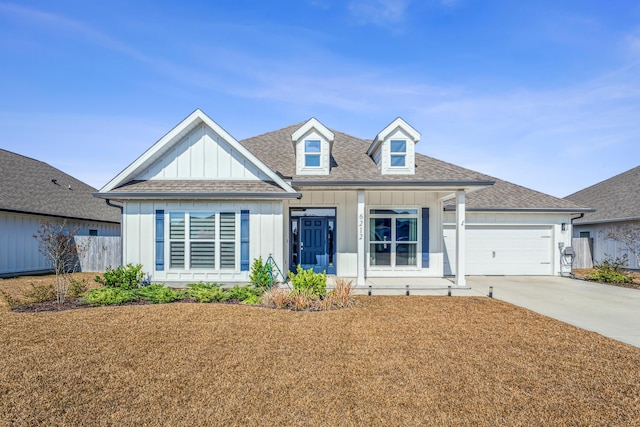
393, 266
318, 154
187, 240
398, 153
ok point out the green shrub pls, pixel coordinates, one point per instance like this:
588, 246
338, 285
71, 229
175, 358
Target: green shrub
241, 293
206, 292
126, 277
111, 296
260, 275
252, 300
610, 270
309, 281
159, 294
77, 287
41, 293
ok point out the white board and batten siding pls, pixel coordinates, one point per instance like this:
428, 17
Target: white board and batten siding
19, 249
346, 204
202, 154
605, 247
265, 237
508, 244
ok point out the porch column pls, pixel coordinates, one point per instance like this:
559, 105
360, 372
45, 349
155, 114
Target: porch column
362, 261
461, 240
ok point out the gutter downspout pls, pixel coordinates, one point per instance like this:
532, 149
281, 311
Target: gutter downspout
578, 217
108, 202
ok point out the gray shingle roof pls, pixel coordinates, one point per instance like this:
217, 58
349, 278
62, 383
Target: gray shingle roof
350, 162
27, 186
504, 195
615, 198
198, 186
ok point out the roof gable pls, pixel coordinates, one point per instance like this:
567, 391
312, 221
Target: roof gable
162, 160
310, 124
398, 123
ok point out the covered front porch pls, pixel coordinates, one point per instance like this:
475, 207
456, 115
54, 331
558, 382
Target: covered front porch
380, 237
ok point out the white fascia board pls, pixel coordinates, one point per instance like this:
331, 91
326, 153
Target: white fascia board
312, 123
173, 136
384, 133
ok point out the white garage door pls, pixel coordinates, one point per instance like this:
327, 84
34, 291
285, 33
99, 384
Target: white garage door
502, 250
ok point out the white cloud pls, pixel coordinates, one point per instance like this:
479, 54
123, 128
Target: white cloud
378, 12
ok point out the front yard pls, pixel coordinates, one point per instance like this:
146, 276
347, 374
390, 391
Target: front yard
387, 361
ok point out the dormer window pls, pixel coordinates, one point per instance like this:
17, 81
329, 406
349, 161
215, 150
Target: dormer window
312, 152
398, 153
393, 149
312, 143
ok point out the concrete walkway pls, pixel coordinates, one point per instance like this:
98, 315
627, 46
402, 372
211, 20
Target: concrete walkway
608, 310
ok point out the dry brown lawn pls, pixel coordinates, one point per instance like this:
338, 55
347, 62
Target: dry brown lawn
387, 361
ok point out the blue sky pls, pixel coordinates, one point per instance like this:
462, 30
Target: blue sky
542, 93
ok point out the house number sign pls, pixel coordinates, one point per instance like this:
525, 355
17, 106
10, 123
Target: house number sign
361, 227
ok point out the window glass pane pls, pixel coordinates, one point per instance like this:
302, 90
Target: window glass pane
227, 255
393, 212
406, 229
398, 146
397, 160
585, 234
380, 254
312, 160
176, 255
406, 254
203, 255
176, 225
380, 230
202, 225
312, 146
228, 226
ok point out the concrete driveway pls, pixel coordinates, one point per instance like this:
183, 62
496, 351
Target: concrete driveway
608, 310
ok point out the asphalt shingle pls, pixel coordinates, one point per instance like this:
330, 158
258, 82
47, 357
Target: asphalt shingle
615, 198
32, 186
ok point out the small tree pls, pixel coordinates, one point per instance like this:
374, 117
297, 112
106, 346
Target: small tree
629, 235
56, 243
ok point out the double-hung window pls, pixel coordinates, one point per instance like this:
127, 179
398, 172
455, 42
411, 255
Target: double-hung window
393, 237
203, 240
312, 153
398, 153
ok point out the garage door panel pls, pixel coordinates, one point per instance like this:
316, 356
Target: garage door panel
503, 250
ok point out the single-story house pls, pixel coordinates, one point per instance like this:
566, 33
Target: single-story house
200, 205
617, 204
33, 192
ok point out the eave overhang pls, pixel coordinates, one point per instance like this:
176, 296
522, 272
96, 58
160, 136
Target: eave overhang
197, 196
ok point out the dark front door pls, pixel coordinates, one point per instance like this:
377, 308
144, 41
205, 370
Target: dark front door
314, 251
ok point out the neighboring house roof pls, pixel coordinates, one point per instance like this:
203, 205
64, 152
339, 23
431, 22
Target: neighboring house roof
615, 199
34, 187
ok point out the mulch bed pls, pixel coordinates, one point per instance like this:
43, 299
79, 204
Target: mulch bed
582, 273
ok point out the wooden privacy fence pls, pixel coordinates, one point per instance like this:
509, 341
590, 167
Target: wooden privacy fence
583, 248
96, 253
